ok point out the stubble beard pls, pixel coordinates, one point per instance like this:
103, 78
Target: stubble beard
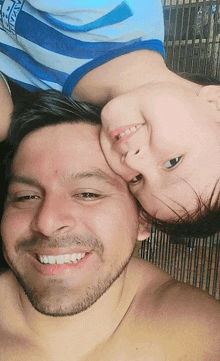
58, 300
65, 302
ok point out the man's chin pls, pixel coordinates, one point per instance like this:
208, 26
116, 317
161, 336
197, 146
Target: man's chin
58, 300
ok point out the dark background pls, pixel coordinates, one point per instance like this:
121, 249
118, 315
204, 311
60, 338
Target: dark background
3, 149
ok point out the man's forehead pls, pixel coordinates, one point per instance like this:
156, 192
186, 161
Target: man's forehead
73, 131
85, 126
73, 147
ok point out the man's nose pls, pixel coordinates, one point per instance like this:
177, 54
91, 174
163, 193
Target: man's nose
55, 216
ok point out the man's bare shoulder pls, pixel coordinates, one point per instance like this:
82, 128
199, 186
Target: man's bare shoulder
161, 292
162, 289
177, 314
6, 291
6, 276
8, 300
5, 279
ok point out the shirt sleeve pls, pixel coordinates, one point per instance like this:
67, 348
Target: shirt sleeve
53, 43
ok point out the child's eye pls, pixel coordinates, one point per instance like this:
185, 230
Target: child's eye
172, 162
136, 179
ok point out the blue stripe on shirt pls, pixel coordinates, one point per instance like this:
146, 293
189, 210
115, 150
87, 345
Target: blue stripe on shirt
117, 15
35, 68
25, 85
76, 76
43, 35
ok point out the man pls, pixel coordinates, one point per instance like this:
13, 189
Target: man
69, 229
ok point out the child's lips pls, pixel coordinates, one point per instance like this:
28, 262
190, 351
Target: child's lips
124, 132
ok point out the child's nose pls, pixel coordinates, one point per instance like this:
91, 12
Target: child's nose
137, 159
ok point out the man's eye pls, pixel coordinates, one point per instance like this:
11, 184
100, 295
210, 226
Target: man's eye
172, 162
88, 195
136, 179
24, 198
23, 201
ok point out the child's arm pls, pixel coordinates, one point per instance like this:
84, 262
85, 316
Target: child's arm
6, 108
119, 76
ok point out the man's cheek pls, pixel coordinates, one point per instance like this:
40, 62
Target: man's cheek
14, 224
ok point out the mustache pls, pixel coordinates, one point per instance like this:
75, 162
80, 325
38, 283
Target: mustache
28, 244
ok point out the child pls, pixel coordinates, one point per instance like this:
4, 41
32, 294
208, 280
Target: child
164, 140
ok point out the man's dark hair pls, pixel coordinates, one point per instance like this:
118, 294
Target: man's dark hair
44, 108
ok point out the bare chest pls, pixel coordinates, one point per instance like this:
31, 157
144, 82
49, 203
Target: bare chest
120, 348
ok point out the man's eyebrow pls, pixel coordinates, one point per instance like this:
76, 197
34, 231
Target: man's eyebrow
96, 174
24, 180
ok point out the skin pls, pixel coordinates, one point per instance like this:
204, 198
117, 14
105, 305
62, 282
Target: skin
39, 186
124, 74
144, 314
6, 111
123, 86
175, 155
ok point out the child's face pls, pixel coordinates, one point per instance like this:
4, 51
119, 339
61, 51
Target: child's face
164, 141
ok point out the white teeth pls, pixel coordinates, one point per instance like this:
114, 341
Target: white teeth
51, 259
62, 258
45, 259
129, 130
59, 259
121, 135
73, 257
133, 129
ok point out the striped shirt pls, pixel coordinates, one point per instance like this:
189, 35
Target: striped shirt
53, 43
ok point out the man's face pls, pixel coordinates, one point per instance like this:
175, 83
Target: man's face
164, 140
70, 224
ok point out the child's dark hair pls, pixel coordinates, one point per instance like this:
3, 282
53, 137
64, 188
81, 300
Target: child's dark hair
204, 221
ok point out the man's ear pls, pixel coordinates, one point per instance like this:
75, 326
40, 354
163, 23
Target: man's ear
211, 94
144, 229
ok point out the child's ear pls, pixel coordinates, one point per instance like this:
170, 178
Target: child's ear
144, 229
211, 94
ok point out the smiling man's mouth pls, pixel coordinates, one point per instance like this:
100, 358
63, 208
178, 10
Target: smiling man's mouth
61, 259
